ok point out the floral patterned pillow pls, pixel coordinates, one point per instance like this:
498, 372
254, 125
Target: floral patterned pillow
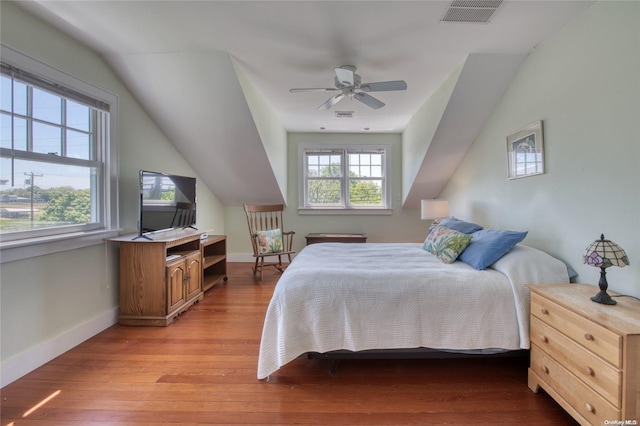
446, 243
269, 241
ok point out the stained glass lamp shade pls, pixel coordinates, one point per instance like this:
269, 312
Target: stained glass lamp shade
602, 254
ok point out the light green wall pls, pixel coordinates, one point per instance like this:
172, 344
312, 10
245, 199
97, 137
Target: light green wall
404, 225
47, 297
584, 83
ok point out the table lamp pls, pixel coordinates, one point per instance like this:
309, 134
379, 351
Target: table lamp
434, 210
602, 254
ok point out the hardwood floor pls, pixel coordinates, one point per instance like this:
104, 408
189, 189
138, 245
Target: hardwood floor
202, 370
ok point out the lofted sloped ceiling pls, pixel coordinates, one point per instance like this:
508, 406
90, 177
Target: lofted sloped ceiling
465, 102
210, 124
215, 75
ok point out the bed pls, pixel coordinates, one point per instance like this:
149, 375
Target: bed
361, 297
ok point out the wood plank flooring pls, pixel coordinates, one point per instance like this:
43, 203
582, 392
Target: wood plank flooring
201, 370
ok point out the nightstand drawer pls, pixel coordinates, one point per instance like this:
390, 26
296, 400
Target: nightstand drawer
594, 408
596, 373
593, 337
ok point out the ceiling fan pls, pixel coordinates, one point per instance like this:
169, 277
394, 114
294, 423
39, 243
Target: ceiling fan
349, 85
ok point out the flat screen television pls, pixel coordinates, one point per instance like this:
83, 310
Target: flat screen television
166, 202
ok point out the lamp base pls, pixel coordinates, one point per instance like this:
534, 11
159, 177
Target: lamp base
604, 298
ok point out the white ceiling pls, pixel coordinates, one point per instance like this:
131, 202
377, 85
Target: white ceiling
279, 45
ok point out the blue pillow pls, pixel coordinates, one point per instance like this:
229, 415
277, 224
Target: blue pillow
487, 246
460, 225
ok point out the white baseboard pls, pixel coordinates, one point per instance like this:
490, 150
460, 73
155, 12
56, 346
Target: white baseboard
19, 365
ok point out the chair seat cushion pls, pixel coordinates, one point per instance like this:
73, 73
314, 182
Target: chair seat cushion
269, 241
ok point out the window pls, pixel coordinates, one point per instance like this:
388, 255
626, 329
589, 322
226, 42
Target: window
353, 177
56, 155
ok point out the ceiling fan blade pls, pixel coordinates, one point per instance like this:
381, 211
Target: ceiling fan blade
384, 86
313, 89
368, 100
331, 101
345, 76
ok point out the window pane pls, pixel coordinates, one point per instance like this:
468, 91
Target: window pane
78, 145
20, 94
5, 131
365, 192
324, 192
47, 107
5, 87
78, 116
19, 133
365, 165
324, 165
60, 195
47, 139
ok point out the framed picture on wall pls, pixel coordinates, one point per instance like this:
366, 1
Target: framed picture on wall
525, 150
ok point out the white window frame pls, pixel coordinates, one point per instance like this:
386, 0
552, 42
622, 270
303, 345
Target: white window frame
107, 182
344, 208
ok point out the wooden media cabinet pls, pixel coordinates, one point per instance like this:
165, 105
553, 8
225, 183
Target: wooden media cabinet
162, 277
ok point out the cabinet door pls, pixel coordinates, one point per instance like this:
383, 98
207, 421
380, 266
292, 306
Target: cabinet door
176, 275
194, 272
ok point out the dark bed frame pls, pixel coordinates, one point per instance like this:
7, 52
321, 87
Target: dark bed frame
415, 353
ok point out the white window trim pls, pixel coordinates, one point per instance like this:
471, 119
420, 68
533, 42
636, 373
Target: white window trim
304, 210
28, 248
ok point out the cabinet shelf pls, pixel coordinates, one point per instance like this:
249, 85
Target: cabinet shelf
209, 280
214, 260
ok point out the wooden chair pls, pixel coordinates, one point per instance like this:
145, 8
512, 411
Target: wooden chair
268, 237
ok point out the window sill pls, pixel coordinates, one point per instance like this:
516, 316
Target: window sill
339, 211
12, 251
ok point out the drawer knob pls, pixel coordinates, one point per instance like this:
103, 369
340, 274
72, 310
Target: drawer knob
545, 369
590, 371
544, 311
544, 339
590, 408
588, 336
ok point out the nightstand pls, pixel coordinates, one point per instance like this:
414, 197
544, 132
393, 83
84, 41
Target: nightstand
586, 355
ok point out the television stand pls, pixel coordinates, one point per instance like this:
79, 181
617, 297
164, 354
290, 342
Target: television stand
160, 278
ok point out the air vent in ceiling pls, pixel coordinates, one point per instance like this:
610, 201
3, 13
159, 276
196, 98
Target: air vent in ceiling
344, 114
475, 11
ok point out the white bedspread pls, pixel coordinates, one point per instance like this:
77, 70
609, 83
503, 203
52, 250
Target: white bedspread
386, 296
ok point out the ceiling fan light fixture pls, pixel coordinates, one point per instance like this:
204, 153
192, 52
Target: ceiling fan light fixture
349, 85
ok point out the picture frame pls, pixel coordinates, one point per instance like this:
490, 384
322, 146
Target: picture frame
525, 152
